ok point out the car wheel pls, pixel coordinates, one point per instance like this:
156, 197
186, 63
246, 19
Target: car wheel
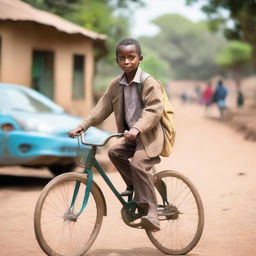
57, 169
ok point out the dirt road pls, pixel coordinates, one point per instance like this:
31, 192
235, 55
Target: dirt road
217, 159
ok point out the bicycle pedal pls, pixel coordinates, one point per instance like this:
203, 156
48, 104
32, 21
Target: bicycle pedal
127, 192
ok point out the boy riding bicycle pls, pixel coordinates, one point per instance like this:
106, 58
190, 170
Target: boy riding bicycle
138, 117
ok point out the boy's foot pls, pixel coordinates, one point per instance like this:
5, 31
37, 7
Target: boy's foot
128, 191
150, 223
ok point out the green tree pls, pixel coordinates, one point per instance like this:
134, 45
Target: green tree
155, 66
59, 7
67, 7
189, 48
233, 58
242, 13
103, 16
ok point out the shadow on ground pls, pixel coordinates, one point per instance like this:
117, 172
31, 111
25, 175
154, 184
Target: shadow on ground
22, 182
129, 252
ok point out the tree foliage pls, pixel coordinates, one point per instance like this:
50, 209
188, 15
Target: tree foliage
154, 65
234, 54
59, 7
98, 15
189, 48
234, 58
242, 13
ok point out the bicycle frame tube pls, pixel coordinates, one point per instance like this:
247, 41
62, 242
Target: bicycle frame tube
92, 162
89, 173
86, 194
96, 164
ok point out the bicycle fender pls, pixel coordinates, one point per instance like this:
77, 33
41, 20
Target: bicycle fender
102, 197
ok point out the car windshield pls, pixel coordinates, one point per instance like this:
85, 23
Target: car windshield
22, 101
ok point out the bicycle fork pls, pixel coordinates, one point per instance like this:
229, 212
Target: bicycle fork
70, 215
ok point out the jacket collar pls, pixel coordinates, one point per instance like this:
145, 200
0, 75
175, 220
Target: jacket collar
136, 79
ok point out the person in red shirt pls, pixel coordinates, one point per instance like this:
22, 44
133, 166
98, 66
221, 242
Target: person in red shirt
207, 95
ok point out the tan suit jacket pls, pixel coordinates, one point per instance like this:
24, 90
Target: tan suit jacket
149, 125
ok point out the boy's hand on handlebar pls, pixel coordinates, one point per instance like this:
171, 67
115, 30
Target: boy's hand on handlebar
131, 135
75, 132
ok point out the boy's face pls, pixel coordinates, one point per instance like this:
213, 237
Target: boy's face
127, 58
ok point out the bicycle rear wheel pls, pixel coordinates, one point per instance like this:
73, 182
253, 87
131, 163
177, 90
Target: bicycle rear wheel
180, 212
58, 231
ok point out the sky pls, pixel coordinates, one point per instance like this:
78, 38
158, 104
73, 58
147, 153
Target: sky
155, 8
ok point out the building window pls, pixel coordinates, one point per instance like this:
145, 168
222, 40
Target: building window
78, 91
42, 72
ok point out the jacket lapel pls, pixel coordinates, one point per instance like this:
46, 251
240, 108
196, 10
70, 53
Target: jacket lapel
123, 125
120, 118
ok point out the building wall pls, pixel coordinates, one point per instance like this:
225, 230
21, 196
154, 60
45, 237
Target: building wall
19, 39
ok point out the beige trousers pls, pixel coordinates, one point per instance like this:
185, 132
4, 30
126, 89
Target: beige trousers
132, 162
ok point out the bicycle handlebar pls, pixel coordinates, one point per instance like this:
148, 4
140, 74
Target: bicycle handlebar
115, 135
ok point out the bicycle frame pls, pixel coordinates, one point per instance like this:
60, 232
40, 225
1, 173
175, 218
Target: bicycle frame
91, 161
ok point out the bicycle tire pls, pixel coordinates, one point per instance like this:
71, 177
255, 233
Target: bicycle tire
58, 236
165, 239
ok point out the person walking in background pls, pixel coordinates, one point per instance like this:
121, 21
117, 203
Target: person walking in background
207, 95
240, 99
219, 97
184, 97
198, 93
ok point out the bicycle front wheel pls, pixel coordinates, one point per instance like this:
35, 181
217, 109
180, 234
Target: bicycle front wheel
59, 231
180, 211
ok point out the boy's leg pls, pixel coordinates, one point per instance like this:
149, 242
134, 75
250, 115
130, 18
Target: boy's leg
119, 154
143, 184
137, 173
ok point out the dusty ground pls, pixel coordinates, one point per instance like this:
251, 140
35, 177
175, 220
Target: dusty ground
219, 161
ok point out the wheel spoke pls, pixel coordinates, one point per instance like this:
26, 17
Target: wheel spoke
57, 229
181, 229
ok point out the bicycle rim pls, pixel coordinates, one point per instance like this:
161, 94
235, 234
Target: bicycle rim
57, 234
182, 228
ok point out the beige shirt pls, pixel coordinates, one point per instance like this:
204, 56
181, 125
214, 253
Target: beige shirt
133, 106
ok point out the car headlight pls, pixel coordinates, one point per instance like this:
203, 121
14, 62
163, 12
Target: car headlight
7, 127
34, 125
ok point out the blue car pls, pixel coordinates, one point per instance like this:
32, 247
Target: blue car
33, 131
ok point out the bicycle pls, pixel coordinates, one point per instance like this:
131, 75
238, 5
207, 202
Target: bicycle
69, 212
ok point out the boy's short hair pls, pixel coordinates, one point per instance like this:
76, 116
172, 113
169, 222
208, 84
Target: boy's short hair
128, 41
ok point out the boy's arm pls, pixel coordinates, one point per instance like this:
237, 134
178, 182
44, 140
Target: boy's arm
153, 109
